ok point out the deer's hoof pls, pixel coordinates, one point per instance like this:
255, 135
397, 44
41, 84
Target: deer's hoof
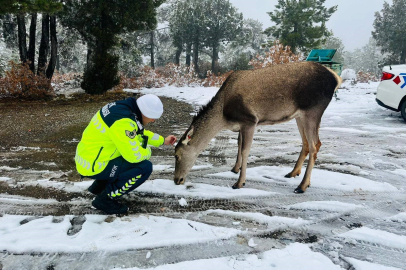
236, 171
298, 190
235, 186
290, 175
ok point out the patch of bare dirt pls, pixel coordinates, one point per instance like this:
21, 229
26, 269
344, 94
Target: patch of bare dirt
44, 135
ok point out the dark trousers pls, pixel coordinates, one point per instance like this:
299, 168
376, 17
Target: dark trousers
123, 176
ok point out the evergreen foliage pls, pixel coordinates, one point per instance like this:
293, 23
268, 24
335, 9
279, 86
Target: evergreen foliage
300, 24
21, 8
390, 31
222, 23
251, 42
186, 23
196, 24
102, 75
368, 59
100, 22
29, 6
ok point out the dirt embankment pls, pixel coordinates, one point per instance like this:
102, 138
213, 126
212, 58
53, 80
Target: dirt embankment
44, 135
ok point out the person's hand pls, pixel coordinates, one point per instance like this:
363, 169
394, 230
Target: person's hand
170, 140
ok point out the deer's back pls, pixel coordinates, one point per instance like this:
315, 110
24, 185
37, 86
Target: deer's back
277, 93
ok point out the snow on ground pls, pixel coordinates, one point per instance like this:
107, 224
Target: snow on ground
295, 256
376, 237
170, 168
363, 150
47, 235
197, 96
163, 168
400, 172
167, 187
401, 217
320, 179
163, 187
362, 265
328, 206
274, 223
7, 168
24, 200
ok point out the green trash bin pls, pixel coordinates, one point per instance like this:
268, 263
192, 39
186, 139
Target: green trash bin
324, 57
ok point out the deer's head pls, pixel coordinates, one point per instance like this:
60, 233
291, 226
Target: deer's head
186, 153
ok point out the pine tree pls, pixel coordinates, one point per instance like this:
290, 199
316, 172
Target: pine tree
300, 24
250, 43
48, 8
390, 29
222, 23
100, 22
186, 23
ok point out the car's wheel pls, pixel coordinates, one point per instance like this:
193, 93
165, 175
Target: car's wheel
403, 110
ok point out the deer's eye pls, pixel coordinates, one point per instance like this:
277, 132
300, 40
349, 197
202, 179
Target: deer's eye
176, 157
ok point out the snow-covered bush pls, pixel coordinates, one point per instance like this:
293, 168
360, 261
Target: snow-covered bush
66, 81
277, 54
348, 74
21, 82
213, 80
180, 75
366, 77
171, 74
148, 78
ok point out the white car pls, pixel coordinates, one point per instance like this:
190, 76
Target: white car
391, 92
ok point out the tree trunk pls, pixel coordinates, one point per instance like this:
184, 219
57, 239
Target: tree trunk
54, 48
22, 36
188, 52
58, 63
44, 45
214, 61
31, 46
152, 50
403, 57
89, 58
196, 56
177, 56
9, 31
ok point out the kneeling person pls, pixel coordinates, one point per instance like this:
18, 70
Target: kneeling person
114, 149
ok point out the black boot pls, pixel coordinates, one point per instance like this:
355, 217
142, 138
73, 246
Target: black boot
110, 206
98, 186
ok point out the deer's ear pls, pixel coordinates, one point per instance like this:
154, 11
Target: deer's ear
189, 135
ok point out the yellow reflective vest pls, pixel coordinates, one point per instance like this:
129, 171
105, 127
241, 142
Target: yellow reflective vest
114, 131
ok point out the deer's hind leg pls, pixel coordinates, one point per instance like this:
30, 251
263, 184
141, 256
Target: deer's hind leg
247, 135
237, 165
303, 154
311, 124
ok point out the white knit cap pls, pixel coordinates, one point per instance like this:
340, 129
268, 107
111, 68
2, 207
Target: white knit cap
150, 106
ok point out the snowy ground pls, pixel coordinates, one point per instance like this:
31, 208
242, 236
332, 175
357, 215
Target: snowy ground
352, 217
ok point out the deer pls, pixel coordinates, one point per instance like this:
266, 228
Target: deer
267, 96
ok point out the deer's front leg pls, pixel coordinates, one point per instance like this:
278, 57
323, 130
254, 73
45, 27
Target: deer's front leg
237, 166
247, 134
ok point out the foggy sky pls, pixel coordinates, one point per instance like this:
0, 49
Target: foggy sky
352, 22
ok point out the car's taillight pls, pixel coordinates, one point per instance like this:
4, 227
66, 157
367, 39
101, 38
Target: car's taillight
387, 76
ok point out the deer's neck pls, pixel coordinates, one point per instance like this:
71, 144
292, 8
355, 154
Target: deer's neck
207, 125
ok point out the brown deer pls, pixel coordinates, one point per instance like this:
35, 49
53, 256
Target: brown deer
262, 97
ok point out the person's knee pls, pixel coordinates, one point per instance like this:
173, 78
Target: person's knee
147, 167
